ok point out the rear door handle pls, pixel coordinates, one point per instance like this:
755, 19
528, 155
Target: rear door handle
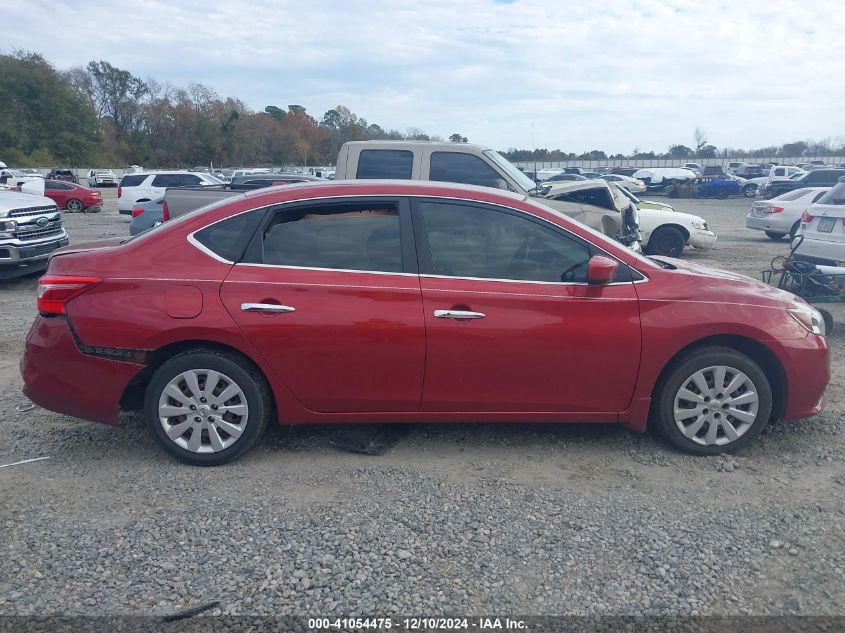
266, 307
458, 314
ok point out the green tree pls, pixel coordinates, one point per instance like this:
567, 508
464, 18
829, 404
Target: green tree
42, 118
116, 95
680, 151
457, 138
275, 111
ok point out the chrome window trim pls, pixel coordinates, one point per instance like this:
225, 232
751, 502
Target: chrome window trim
194, 242
329, 270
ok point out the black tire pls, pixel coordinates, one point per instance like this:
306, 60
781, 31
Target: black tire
248, 379
677, 375
827, 317
721, 193
673, 193
74, 206
794, 230
749, 191
775, 235
667, 241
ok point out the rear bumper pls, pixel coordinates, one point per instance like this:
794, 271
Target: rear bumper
807, 366
59, 377
821, 251
770, 222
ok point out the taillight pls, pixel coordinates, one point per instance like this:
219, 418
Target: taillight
771, 209
119, 191
806, 217
55, 291
165, 211
136, 212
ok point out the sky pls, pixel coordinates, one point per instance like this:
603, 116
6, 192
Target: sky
605, 74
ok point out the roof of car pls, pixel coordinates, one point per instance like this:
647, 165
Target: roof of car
388, 187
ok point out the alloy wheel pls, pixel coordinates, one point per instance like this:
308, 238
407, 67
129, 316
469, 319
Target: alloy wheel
716, 405
203, 411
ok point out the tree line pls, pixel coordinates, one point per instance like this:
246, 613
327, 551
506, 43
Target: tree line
103, 115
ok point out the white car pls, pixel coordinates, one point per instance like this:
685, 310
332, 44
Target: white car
101, 178
548, 172
782, 215
821, 238
656, 175
145, 186
631, 184
662, 232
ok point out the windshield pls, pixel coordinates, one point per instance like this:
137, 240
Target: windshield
506, 166
629, 195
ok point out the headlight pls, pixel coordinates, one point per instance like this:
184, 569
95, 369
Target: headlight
807, 317
7, 227
699, 224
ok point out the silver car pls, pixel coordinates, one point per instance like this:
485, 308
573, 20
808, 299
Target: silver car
782, 215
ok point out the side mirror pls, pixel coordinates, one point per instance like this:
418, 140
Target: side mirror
601, 270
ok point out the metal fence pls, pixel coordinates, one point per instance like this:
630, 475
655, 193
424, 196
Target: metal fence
675, 162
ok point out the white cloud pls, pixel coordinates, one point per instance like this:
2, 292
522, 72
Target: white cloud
605, 74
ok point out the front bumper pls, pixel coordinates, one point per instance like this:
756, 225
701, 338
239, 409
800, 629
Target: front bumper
59, 377
806, 363
20, 257
700, 238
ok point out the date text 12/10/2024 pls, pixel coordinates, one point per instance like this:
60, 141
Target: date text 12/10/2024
417, 624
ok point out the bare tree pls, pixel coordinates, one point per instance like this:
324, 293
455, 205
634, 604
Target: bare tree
701, 140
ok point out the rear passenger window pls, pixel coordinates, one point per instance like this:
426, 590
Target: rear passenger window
353, 236
167, 180
132, 181
189, 180
229, 238
385, 163
463, 168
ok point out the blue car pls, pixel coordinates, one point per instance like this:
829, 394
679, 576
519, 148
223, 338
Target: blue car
146, 215
718, 187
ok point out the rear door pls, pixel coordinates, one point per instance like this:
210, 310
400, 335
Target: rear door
160, 183
512, 324
329, 295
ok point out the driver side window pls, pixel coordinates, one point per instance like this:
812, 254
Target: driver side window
477, 241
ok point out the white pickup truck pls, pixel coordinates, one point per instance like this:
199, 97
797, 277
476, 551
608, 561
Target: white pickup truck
474, 165
30, 229
102, 178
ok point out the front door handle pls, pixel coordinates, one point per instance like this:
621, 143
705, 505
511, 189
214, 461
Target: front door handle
266, 307
458, 314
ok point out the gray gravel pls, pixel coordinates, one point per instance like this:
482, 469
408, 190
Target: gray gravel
457, 519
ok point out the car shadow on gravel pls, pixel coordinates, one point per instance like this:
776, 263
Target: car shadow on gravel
69, 440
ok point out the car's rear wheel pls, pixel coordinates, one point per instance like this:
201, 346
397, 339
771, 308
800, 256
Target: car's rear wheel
774, 235
666, 240
74, 205
794, 230
722, 193
715, 400
207, 408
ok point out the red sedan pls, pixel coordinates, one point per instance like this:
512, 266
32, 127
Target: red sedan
377, 301
73, 197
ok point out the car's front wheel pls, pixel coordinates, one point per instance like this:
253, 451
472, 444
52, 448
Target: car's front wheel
666, 240
715, 400
206, 407
749, 191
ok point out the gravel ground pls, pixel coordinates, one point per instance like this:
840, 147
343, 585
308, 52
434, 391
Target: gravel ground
459, 519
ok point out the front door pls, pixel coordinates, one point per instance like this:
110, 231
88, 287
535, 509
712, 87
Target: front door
330, 297
512, 324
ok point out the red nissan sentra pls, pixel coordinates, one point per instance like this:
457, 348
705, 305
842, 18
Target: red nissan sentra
378, 301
